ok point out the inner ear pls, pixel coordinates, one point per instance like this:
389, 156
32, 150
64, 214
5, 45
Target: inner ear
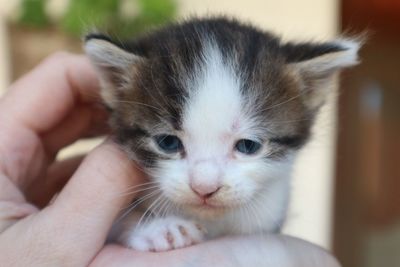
316, 65
114, 65
340, 55
297, 52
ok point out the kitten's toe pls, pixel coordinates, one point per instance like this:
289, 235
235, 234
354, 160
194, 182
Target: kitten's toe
183, 234
139, 243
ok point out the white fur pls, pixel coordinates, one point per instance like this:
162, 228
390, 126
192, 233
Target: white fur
350, 56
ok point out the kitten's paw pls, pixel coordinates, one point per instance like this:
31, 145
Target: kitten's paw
164, 234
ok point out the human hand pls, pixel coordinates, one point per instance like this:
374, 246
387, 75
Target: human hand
237, 251
49, 108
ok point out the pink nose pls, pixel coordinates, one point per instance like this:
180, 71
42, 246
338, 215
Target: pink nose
205, 191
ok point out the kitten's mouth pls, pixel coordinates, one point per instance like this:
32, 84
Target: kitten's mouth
207, 209
209, 205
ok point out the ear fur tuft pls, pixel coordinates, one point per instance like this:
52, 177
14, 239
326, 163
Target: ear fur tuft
114, 65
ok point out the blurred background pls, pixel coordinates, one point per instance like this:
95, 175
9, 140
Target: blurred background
346, 188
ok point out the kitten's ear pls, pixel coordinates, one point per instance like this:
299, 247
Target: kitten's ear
114, 65
317, 63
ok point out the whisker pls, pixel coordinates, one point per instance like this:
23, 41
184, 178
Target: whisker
135, 204
147, 210
254, 211
157, 88
283, 102
142, 184
161, 208
288, 121
137, 191
156, 209
138, 103
248, 217
241, 207
128, 189
274, 220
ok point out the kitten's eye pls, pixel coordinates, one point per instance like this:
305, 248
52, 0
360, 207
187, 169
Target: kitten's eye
169, 143
248, 147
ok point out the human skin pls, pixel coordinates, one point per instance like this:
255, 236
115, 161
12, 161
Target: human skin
50, 108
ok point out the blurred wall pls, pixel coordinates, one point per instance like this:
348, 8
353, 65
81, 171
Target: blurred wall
311, 205
4, 57
291, 18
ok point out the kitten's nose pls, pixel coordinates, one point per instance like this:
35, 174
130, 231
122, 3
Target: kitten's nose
205, 191
205, 178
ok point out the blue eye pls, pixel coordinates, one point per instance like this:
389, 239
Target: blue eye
248, 147
169, 143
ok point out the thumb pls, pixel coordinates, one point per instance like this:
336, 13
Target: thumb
93, 197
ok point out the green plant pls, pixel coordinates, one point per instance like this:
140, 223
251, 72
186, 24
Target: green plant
82, 15
33, 13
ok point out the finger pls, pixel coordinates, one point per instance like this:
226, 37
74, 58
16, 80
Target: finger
49, 92
91, 200
43, 190
261, 250
69, 130
216, 251
11, 212
83, 121
99, 123
116, 255
13, 205
34, 105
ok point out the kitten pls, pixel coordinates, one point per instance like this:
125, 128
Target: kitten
215, 112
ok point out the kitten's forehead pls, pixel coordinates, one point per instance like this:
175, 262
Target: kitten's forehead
200, 71
215, 102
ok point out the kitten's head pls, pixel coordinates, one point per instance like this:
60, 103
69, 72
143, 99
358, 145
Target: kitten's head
215, 110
